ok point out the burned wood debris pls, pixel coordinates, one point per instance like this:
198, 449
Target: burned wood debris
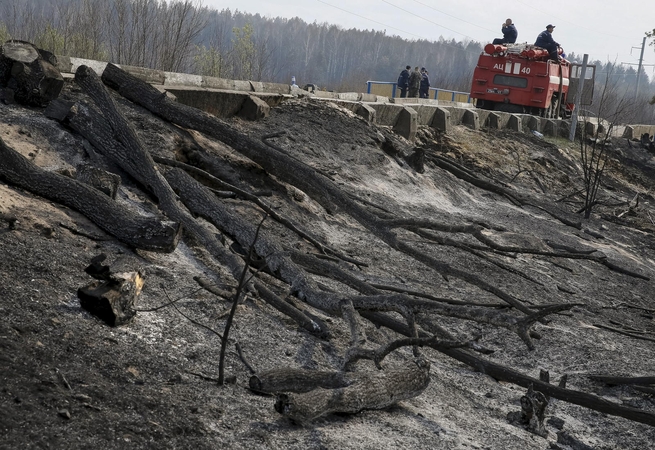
28, 75
113, 295
336, 297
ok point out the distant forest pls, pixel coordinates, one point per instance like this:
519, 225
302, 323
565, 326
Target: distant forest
184, 36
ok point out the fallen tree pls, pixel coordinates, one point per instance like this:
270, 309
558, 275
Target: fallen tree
139, 232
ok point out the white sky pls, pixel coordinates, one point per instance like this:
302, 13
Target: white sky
605, 29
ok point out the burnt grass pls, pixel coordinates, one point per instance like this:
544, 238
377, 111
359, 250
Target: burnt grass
67, 380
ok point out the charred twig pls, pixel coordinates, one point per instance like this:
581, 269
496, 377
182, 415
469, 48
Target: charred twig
566, 197
624, 332
645, 390
210, 287
235, 302
204, 377
369, 203
63, 379
627, 327
190, 319
628, 305
243, 359
450, 301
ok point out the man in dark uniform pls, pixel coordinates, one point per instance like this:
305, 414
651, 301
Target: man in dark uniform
424, 90
403, 82
510, 33
545, 40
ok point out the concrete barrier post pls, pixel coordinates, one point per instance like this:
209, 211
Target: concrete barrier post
550, 127
441, 120
531, 123
406, 123
366, 112
514, 123
254, 108
471, 119
564, 128
493, 120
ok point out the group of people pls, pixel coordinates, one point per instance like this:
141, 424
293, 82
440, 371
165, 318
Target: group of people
544, 40
414, 83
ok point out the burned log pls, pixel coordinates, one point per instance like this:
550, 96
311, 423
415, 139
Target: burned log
375, 390
616, 380
30, 73
296, 380
140, 232
106, 182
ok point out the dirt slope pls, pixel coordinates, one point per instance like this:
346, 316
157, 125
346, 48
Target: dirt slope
70, 381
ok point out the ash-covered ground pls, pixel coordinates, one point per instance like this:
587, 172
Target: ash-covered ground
70, 381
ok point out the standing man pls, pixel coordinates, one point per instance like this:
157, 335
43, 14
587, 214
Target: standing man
403, 82
545, 40
414, 82
424, 92
510, 33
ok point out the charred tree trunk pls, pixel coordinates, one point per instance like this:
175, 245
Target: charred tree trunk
30, 73
144, 233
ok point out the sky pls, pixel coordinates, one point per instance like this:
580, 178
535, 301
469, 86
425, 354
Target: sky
606, 30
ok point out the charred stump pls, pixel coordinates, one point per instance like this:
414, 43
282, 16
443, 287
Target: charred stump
112, 297
29, 74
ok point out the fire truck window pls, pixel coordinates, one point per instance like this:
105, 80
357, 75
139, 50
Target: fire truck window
504, 80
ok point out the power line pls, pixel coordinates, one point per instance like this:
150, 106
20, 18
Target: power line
454, 17
576, 24
370, 20
427, 20
397, 29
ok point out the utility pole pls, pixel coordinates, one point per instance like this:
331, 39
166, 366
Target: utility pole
641, 59
640, 65
578, 98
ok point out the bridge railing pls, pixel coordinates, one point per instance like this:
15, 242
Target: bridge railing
390, 89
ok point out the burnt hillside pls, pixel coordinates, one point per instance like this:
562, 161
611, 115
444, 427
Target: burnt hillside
353, 239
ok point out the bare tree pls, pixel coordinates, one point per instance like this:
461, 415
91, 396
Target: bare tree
613, 109
181, 23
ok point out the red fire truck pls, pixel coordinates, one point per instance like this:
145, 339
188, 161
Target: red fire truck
520, 78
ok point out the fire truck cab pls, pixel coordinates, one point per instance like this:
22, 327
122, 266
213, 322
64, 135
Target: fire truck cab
520, 78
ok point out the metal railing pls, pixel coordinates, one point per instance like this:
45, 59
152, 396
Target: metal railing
390, 89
